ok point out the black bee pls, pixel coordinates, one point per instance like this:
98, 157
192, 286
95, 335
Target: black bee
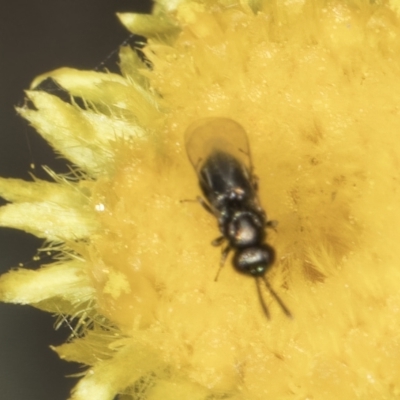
219, 152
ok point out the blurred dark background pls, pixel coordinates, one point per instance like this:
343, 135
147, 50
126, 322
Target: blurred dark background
38, 36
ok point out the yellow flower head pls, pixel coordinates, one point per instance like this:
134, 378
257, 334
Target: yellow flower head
316, 87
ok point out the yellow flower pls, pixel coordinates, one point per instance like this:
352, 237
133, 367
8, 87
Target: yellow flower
316, 86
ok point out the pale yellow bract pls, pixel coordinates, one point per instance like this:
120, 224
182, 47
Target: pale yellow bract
316, 85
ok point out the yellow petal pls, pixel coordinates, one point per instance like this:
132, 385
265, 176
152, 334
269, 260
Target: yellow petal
126, 367
148, 25
67, 280
67, 132
48, 220
18, 190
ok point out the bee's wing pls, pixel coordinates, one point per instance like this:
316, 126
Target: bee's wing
208, 135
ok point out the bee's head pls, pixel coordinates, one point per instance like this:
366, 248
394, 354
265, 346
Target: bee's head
255, 260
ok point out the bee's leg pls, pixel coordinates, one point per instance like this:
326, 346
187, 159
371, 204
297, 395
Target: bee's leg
204, 204
272, 224
201, 201
224, 254
254, 180
218, 241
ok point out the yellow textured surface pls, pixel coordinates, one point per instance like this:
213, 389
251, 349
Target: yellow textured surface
317, 88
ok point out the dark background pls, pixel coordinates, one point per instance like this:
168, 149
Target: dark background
38, 36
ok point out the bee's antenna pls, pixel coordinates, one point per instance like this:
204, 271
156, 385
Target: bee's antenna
264, 306
274, 295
